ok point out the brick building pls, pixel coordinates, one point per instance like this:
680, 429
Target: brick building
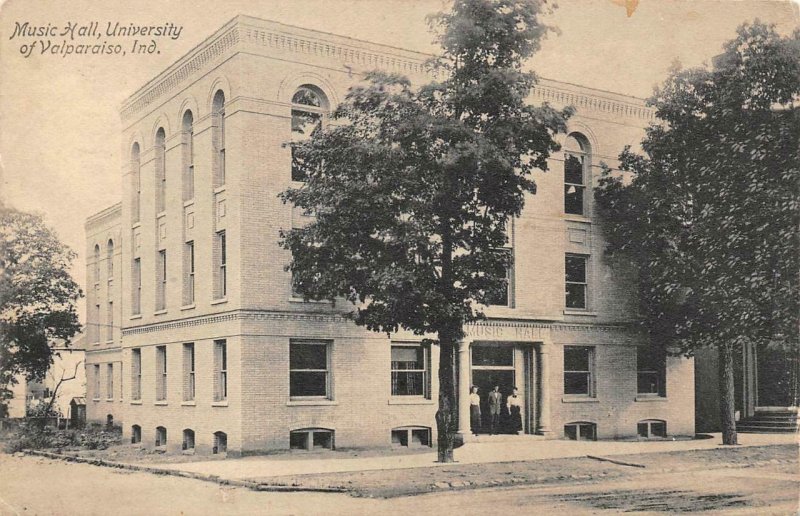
216, 354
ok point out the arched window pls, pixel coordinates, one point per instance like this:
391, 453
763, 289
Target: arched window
220, 442
309, 106
136, 434
110, 260
161, 173
97, 263
188, 439
188, 155
218, 137
136, 184
577, 163
161, 436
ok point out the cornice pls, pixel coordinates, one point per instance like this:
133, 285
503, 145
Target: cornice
554, 94
308, 317
112, 212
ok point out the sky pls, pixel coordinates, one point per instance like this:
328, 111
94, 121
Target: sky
60, 131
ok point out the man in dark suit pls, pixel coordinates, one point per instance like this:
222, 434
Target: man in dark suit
495, 402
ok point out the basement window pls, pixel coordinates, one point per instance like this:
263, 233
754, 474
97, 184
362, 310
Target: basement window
580, 431
220, 442
161, 436
651, 428
311, 439
411, 436
136, 434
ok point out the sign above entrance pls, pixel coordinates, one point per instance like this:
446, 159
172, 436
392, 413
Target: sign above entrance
476, 331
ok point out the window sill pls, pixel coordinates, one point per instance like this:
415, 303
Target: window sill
188, 203
311, 403
136, 402
219, 403
108, 342
188, 404
573, 217
160, 312
137, 224
136, 316
584, 399
161, 214
410, 401
110, 400
646, 398
220, 189
161, 403
578, 311
294, 299
96, 400
219, 301
188, 307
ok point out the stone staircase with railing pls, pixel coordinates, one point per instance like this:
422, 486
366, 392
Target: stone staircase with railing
772, 422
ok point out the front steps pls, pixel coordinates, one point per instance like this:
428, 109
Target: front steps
772, 422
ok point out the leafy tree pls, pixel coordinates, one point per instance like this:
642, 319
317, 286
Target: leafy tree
37, 297
412, 188
710, 215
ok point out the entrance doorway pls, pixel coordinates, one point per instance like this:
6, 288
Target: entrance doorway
495, 365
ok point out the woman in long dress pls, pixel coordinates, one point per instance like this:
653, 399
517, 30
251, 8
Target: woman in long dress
514, 404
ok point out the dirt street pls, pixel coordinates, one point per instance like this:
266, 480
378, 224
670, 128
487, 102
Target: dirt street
30, 485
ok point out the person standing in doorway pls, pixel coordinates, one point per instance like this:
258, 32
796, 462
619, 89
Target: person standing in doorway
495, 402
475, 410
514, 404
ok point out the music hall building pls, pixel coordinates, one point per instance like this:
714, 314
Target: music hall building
196, 341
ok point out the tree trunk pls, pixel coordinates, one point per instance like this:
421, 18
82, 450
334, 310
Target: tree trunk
447, 415
727, 405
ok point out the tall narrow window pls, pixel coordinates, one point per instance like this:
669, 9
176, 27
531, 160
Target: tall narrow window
220, 370
136, 374
161, 173
650, 371
579, 370
218, 137
110, 321
96, 393
96, 272
220, 269
576, 161
161, 373
503, 269
110, 261
188, 273
109, 381
161, 280
188, 372
576, 285
136, 184
136, 302
308, 108
188, 156
97, 325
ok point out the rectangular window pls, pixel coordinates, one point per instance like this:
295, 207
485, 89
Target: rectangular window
575, 280
309, 369
410, 371
136, 302
502, 296
650, 371
96, 393
304, 125
188, 180
221, 273
188, 372
110, 381
578, 370
161, 373
136, 374
220, 370
574, 184
110, 321
97, 327
161, 280
221, 148
188, 268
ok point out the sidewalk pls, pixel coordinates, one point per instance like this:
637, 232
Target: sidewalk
486, 450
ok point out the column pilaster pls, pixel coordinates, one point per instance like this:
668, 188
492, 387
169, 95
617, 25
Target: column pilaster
544, 389
463, 390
